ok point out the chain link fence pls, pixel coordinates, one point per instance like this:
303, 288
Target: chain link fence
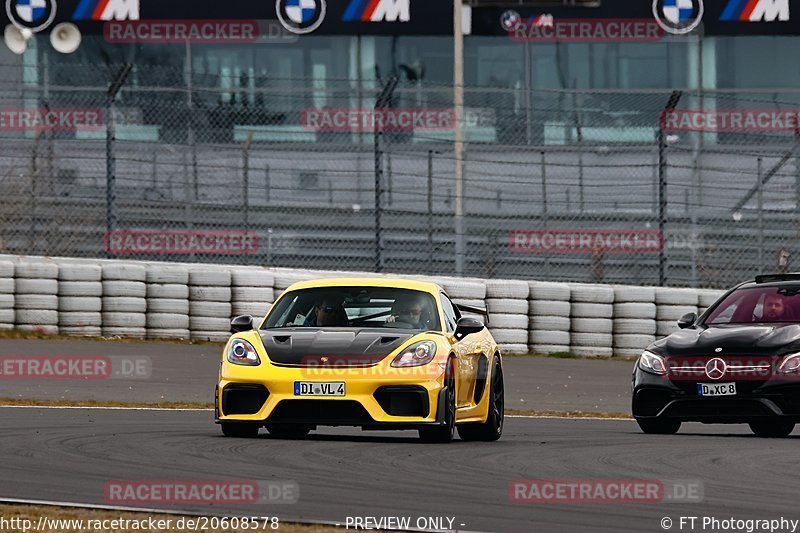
644, 187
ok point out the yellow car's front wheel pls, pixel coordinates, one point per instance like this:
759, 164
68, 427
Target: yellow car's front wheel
445, 432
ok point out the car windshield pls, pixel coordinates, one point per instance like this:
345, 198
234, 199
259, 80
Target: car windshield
347, 307
757, 305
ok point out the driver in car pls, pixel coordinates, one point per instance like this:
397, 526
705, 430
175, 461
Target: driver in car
328, 313
775, 308
408, 311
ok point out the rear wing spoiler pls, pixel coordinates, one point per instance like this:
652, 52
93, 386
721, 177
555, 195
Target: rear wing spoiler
473, 310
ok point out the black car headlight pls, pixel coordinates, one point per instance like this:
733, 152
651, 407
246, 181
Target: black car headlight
241, 352
417, 354
790, 364
653, 363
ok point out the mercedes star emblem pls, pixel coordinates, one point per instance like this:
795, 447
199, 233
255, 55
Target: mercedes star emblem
716, 368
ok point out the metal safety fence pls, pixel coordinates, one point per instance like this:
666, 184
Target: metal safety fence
648, 187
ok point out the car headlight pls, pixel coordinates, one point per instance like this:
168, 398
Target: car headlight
417, 354
790, 364
652, 363
241, 352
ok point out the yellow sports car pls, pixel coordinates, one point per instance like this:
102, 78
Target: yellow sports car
375, 353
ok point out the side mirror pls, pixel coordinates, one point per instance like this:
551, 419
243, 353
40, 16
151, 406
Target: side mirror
468, 326
241, 323
687, 320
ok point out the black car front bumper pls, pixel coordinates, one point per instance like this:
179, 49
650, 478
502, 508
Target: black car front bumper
659, 397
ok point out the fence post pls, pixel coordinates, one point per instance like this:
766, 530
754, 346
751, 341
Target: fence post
111, 177
430, 211
760, 215
382, 102
672, 103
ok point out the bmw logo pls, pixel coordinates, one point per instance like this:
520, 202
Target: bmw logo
678, 17
301, 16
509, 20
34, 15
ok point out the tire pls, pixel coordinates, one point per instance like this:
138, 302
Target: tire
124, 272
80, 288
131, 289
592, 325
36, 270
549, 349
513, 348
153, 333
707, 298
284, 280
210, 336
673, 312
36, 286
772, 428
540, 290
7, 301
632, 342
481, 304
588, 310
239, 431
591, 294
122, 304
167, 275
79, 320
632, 326
6, 269
630, 294
40, 329
210, 294
667, 296
508, 321
168, 291
635, 310
7, 316
132, 332
77, 304
464, 290
4, 326
602, 340
257, 294
592, 351
249, 308
510, 336
167, 321
219, 310
444, 434
7, 286
165, 305
550, 323
288, 431
204, 323
518, 290
31, 317
507, 306
123, 320
252, 277
543, 337
492, 429
81, 331
665, 328
549, 308
210, 278
79, 272
659, 426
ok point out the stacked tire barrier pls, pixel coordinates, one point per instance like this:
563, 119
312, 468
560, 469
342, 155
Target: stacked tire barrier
706, 298
210, 304
7, 316
252, 291
124, 300
634, 319
591, 324
507, 305
80, 302
36, 296
548, 317
167, 302
672, 304
284, 278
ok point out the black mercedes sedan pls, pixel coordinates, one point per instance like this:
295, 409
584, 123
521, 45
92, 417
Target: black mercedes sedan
738, 363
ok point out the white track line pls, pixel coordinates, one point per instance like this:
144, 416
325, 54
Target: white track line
101, 408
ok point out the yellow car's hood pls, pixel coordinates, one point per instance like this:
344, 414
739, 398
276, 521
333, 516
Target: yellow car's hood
341, 347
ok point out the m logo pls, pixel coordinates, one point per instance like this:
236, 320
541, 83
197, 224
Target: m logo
756, 11
107, 10
378, 11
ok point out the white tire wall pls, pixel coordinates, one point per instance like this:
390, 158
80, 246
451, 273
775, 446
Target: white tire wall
35, 296
124, 299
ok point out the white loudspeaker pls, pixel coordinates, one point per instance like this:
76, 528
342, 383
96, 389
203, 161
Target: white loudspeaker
17, 39
65, 37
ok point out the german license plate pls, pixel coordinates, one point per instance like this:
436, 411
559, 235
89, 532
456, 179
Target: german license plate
313, 388
716, 389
